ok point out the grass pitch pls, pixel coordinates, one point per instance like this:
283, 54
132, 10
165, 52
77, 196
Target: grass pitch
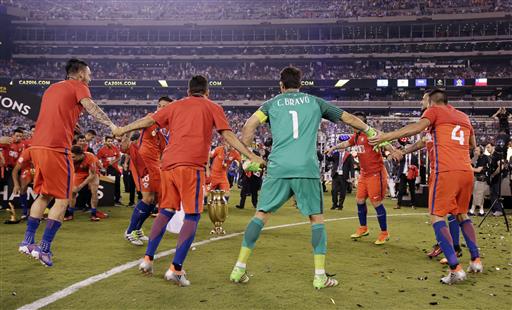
396, 275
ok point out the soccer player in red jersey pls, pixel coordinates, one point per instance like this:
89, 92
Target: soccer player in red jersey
145, 155
86, 172
61, 106
451, 190
222, 157
109, 156
190, 122
15, 148
427, 142
372, 182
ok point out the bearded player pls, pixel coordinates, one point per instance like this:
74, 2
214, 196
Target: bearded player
222, 157
452, 137
426, 142
372, 183
145, 155
293, 168
61, 106
190, 122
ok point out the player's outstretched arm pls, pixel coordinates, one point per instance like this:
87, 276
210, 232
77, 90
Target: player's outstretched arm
354, 122
340, 146
92, 108
249, 129
406, 131
232, 140
144, 122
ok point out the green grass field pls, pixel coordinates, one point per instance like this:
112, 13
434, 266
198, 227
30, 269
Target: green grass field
397, 275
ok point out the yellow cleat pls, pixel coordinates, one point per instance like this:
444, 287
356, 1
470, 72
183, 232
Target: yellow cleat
361, 232
383, 238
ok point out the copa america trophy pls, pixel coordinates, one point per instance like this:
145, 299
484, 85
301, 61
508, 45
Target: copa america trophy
12, 219
217, 210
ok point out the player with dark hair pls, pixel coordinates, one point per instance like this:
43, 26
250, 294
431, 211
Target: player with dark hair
61, 106
222, 157
86, 172
452, 137
190, 121
372, 183
12, 150
145, 155
295, 118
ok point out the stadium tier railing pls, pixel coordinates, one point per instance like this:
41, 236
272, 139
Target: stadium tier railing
349, 103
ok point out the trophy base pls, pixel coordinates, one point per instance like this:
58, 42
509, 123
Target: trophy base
217, 231
12, 222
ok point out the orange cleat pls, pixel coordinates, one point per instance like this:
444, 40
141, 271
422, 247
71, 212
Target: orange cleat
361, 232
383, 238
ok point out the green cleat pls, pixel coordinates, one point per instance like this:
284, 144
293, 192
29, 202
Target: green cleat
239, 275
324, 281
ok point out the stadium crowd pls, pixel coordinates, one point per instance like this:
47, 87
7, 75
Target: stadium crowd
243, 10
255, 70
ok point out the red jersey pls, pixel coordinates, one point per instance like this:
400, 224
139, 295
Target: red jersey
151, 145
25, 160
222, 161
82, 167
27, 143
190, 122
11, 153
107, 155
370, 161
60, 109
137, 163
450, 130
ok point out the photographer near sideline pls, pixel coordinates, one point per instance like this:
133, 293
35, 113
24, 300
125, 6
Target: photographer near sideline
481, 163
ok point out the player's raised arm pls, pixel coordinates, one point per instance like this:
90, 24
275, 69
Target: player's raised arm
144, 122
232, 140
251, 125
406, 131
92, 108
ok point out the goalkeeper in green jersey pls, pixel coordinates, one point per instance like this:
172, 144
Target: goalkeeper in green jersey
293, 168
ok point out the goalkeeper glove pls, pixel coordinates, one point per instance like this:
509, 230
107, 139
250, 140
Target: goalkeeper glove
370, 132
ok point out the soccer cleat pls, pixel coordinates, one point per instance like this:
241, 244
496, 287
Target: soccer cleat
361, 232
481, 212
454, 276
239, 275
179, 279
146, 266
95, 219
141, 236
26, 248
133, 238
68, 218
101, 215
323, 281
476, 266
42, 257
383, 238
436, 250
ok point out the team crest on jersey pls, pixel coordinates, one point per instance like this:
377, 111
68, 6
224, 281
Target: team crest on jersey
153, 133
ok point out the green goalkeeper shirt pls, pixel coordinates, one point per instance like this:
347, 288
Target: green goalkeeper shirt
294, 119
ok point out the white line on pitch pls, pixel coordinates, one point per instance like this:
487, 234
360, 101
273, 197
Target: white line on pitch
107, 274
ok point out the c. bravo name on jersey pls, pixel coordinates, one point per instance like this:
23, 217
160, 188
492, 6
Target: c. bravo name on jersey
291, 101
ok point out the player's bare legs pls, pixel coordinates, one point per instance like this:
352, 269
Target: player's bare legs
93, 187
468, 231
